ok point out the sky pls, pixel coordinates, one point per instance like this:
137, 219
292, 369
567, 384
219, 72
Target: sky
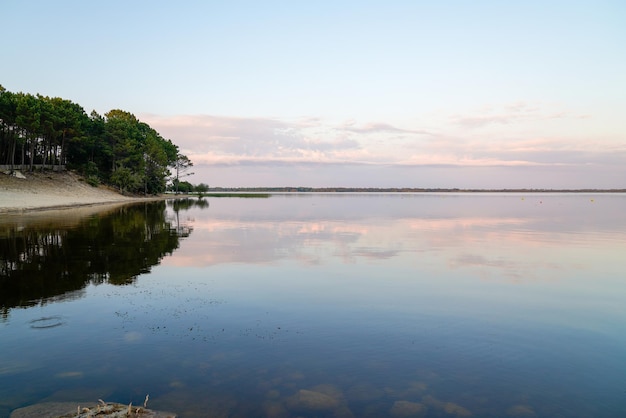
467, 94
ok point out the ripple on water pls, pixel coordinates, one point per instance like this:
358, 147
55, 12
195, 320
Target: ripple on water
47, 322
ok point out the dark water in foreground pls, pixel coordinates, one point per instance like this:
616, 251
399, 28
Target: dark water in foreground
433, 305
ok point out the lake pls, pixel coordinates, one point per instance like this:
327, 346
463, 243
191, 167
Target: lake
321, 305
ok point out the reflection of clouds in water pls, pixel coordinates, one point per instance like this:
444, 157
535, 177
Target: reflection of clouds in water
326, 228
264, 245
374, 253
507, 267
462, 223
490, 237
519, 269
132, 337
263, 242
514, 249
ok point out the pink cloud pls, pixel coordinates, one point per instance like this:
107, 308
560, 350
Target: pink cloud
313, 151
514, 113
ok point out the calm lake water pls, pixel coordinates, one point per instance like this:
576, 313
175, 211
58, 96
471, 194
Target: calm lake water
313, 305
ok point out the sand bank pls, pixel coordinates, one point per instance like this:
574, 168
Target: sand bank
51, 190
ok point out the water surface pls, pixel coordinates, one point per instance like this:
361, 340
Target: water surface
313, 305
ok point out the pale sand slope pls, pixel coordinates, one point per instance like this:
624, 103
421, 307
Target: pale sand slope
51, 190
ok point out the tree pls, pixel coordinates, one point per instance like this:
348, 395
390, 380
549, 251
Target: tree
71, 126
181, 166
202, 188
184, 186
125, 179
124, 136
8, 127
28, 122
155, 165
56, 131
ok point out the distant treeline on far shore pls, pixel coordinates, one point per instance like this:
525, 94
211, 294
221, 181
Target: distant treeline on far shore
400, 190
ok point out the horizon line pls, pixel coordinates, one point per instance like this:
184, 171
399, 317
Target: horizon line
342, 189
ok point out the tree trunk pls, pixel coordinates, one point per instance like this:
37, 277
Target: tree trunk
32, 154
46, 149
13, 146
62, 153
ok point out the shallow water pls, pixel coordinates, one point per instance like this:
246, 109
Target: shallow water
313, 305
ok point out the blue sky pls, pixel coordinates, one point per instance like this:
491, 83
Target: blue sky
346, 93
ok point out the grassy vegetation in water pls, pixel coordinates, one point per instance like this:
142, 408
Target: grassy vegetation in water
247, 195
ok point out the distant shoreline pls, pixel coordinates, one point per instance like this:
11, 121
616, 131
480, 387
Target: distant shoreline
62, 190
397, 190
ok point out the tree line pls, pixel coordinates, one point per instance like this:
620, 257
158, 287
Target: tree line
115, 148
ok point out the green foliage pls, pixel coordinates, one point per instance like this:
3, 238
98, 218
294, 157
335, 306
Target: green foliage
201, 189
115, 148
184, 187
90, 169
126, 180
241, 195
93, 181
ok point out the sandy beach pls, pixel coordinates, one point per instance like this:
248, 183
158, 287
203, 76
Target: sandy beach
52, 190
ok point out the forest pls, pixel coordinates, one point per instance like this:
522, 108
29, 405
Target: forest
40, 132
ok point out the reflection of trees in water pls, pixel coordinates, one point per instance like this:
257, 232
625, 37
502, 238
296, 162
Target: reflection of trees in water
38, 263
188, 203
185, 204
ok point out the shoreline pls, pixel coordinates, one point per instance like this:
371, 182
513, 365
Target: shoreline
31, 209
50, 190
43, 191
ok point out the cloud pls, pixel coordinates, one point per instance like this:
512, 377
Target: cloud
319, 152
229, 140
207, 133
510, 114
377, 127
547, 176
